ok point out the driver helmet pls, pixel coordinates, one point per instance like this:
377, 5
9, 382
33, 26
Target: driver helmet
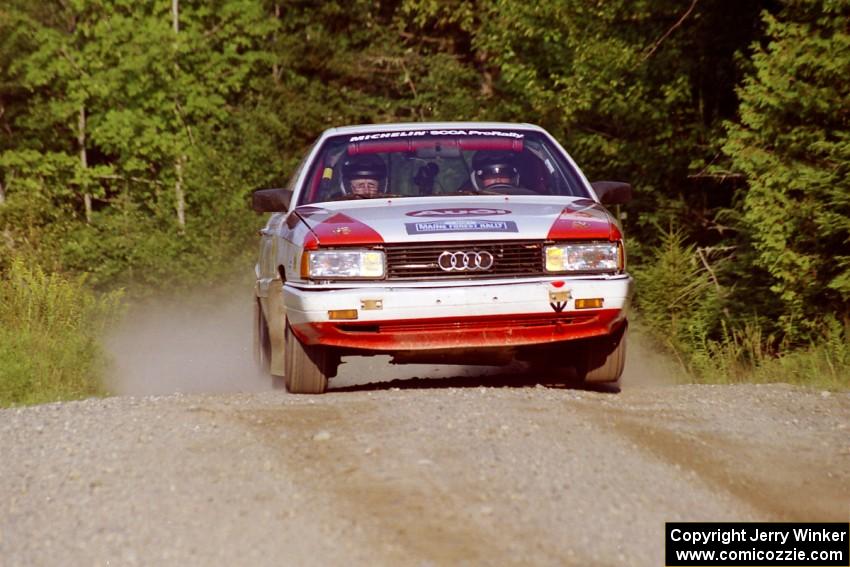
364, 175
494, 168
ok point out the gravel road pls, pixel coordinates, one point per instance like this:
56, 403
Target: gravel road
480, 468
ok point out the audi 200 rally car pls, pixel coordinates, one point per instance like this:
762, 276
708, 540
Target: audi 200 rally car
444, 242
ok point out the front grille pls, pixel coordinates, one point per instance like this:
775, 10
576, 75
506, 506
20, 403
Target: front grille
418, 260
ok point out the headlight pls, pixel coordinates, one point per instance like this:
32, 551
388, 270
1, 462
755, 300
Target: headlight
591, 257
334, 264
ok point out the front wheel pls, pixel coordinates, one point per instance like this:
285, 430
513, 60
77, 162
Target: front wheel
604, 359
263, 347
307, 367
262, 342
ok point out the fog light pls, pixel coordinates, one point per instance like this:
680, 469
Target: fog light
594, 303
337, 314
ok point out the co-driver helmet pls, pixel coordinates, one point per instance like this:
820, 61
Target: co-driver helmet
486, 164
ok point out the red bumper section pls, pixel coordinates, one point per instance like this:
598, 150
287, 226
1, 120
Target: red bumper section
465, 332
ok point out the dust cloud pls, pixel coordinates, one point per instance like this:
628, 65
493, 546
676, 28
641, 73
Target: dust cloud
195, 345
203, 344
647, 364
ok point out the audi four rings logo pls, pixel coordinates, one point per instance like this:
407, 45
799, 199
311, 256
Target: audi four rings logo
465, 261
442, 213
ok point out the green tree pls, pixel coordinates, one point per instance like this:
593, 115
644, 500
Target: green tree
56, 74
793, 145
127, 105
635, 90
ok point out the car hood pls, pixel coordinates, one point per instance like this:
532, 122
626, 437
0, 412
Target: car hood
374, 221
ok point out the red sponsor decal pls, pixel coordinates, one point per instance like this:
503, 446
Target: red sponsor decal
342, 230
615, 233
458, 212
311, 242
585, 223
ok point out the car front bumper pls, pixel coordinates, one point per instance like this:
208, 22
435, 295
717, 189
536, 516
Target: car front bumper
458, 316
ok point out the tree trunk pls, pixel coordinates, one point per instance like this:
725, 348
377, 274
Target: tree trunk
179, 196
487, 78
81, 142
275, 67
2, 193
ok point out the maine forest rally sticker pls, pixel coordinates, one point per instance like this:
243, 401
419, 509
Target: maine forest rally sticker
441, 226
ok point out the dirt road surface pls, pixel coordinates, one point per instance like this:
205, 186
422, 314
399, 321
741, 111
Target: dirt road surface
427, 466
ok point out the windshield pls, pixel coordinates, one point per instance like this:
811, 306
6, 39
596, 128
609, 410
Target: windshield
421, 163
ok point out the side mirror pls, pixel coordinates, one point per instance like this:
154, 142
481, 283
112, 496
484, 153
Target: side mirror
271, 200
612, 192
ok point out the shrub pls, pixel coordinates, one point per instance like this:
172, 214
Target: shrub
685, 307
49, 331
675, 294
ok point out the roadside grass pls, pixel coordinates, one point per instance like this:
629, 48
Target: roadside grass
744, 355
681, 304
50, 328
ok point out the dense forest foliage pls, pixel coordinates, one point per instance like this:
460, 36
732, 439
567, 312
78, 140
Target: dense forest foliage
131, 134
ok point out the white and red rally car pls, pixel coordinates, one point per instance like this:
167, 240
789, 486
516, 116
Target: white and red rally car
470, 243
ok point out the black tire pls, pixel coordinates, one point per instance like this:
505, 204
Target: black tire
604, 359
307, 367
263, 347
262, 340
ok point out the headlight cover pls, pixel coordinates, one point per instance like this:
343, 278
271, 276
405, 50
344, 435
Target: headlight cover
592, 257
342, 264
